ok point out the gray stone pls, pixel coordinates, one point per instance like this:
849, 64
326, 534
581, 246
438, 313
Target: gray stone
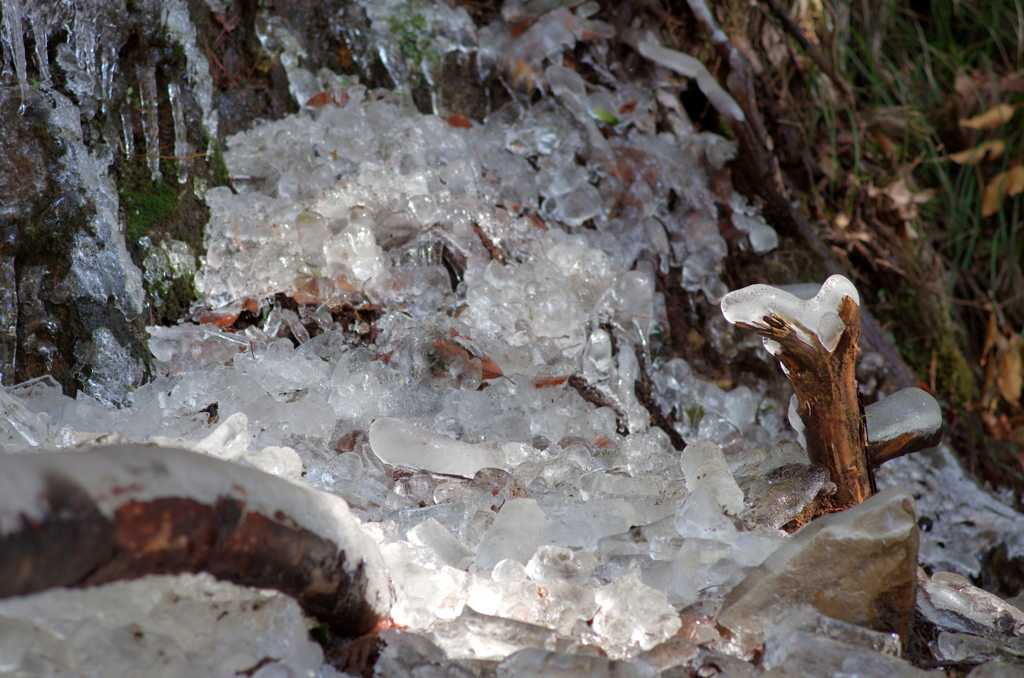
858, 566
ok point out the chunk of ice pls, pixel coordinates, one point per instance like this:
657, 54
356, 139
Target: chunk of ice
400, 443
684, 64
704, 465
817, 317
911, 411
514, 534
633, 617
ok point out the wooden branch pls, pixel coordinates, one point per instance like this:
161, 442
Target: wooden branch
90, 517
811, 49
826, 389
887, 450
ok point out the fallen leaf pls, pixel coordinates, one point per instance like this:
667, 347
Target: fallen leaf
1003, 185
459, 357
490, 369
885, 143
225, 316
993, 117
550, 380
989, 150
459, 120
322, 99
1010, 369
523, 76
902, 199
520, 27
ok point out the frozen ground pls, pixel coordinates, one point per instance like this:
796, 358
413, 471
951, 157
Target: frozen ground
462, 315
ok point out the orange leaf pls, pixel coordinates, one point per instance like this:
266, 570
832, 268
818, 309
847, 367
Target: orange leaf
1010, 369
459, 120
553, 380
490, 368
993, 117
519, 27
885, 143
225, 316
1002, 185
990, 150
321, 99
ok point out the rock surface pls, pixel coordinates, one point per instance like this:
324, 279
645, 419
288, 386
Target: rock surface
858, 566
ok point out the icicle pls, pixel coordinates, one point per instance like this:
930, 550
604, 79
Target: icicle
126, 128
39, 32
150, 118
14, 37
181, 149
108, 69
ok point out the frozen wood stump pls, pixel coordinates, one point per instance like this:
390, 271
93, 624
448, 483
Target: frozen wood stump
815, 341
83, 518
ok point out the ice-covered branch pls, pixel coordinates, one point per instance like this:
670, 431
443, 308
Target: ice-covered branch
815, 341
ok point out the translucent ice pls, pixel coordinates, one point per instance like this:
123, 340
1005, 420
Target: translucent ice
785, 491
685, 64
704, 465
911, 411
172, 626
633, 617
400, 443
952, 603
482, 636
815, 318
514, 534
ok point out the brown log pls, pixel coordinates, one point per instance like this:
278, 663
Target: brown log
91, 517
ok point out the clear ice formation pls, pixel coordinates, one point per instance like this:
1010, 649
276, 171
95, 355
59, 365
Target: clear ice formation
910, 411
953, 604
527, 526
399, 443
783, 492
684, 64
815, 320
175, 626
704, 464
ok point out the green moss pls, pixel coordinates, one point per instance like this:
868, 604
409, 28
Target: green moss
146, 204
920, 343
215, 159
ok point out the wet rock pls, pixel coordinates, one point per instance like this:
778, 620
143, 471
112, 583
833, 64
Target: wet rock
962, 647
809, 644
995, 669
858, 566
952, 603
534, 663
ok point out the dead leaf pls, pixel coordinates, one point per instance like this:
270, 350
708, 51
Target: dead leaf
885, 143
322, 99
1010, 369
989, 150
459, 120
993, 117
990, 338
902, 199
462, 361
1003, 185
489, 368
